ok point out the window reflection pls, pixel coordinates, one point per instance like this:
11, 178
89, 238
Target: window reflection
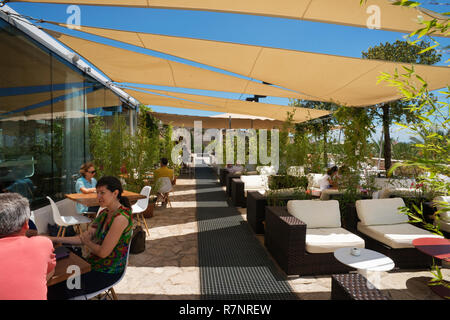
46, 106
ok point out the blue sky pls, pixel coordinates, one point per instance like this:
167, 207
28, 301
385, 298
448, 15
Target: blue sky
248, 29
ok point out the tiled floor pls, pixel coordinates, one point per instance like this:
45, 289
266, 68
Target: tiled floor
168, 269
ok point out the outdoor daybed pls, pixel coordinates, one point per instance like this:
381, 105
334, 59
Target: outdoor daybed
303, 236
389, 232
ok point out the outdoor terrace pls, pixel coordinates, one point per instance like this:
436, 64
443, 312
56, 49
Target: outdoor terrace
170, 267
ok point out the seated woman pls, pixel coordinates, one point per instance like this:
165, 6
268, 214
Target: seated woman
165, 179
86, 184
328, 179
107, 238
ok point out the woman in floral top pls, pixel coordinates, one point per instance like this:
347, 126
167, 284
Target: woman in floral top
107, 239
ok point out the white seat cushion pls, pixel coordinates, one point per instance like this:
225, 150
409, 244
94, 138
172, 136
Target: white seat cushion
316, 213
380, 211
395, 236
254, 182
324, 240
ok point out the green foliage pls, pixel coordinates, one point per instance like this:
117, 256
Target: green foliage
115, 148
357, 128
287, 181
395, 111
431, 127
312, 142
402, 51
275, 198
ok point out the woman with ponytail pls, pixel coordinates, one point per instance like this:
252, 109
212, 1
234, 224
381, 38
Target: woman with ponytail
107, 239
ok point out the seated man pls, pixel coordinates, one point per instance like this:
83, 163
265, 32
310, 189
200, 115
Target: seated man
26, 263
165, 179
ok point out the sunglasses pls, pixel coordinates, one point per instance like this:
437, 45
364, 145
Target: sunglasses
92, 171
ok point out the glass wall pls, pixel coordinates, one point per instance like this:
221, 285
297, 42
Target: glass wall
46, 105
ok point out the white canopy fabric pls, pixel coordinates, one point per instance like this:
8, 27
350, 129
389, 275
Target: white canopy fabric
123, 65
320, 77
378, 14
192, 101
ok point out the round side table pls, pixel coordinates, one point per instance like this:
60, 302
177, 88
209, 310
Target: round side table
368, 260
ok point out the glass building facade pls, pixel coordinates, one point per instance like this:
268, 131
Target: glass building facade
46, 107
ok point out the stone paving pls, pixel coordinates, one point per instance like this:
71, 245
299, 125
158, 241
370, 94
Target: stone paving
168, 269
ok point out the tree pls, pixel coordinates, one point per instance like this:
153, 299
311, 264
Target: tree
319, 128
396, 111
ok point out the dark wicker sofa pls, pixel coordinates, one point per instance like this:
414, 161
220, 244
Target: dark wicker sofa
228, 178
285, 237
256, 208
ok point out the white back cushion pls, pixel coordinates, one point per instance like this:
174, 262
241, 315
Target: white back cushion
444, 215
380, 211
254, 182
316, 213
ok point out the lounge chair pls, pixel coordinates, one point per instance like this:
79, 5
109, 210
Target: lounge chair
389, 232
240, 186
303, 236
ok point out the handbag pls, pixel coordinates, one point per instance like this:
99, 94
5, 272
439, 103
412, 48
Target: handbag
137, 244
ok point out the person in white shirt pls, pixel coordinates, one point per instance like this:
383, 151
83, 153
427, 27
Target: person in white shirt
326, 181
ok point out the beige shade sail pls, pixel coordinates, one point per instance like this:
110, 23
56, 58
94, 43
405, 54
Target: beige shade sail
192, 101
322, 77
212, 122
123, 65
374, 14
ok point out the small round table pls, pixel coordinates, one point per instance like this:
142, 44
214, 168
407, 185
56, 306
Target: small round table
368, 260
438, 248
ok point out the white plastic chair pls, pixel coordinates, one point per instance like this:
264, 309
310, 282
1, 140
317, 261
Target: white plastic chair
108, 289
65, 221
141, 205
165, 186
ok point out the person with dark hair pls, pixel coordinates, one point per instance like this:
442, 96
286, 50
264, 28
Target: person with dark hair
107, 239
327, 180
86, 184
165, 179
25, 263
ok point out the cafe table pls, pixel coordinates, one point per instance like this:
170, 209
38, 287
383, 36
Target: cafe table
438, 248
62, 270
90, 199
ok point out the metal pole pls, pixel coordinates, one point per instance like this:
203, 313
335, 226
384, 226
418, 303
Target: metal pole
379, 156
